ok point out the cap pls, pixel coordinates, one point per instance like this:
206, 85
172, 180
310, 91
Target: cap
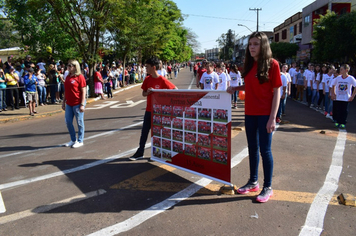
12, 68
30, 70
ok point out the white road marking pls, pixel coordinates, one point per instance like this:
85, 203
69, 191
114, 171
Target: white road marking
315, 219
2, 205
191, 83
49, 207
164, 205
101, 105
61, 145
128, 104
68, 171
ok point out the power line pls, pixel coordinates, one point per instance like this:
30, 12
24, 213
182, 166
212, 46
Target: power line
223, 18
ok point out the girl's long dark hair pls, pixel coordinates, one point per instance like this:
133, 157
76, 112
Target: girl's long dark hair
234, 68
264, 58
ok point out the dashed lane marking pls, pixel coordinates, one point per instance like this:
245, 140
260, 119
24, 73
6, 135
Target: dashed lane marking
49, 207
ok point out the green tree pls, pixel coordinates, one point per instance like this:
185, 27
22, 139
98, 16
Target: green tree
84, 21
226, 42
9, 36
38, 28
282, 50
335, 37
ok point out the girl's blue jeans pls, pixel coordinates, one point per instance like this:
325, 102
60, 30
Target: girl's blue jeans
259, 141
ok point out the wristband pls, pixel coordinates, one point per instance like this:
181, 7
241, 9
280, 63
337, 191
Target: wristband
82, 104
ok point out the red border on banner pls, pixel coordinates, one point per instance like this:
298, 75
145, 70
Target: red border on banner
193, 133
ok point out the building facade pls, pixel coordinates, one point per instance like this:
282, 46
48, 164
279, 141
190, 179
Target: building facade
317, 8
290, 31
212, 54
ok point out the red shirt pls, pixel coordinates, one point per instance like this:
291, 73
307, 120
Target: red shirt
97, 76
156, 83
201, 71
258, 98
72, 89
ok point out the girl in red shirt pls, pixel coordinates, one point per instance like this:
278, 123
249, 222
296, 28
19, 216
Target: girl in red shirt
262, 81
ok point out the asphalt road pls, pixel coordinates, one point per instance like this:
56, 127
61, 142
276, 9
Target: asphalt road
47, 189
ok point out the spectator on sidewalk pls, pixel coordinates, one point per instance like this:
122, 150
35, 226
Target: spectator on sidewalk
3, 105
41, 87
98, 83
31, 81
12, 89
74, 103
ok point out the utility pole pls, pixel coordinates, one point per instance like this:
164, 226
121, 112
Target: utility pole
256, 9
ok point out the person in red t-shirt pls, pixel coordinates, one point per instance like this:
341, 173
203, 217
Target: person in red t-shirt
201, 71
74, 103
262, 86
98, 83
153, 81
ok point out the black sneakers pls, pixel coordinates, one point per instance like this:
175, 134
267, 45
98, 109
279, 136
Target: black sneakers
136, 156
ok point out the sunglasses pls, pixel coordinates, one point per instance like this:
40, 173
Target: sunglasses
70, 65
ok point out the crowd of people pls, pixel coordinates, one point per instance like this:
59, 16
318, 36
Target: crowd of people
319, 86
46, 83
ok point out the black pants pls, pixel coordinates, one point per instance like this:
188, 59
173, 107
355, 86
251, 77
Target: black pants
340, 111
321, 98
144, 132
12, 91
293, 91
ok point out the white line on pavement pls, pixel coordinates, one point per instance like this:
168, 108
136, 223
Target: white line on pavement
191, 83
315, 219
54, 205
164, 205
68, 171
61, 145
2, 205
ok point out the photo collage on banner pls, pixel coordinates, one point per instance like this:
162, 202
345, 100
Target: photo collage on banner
193, 132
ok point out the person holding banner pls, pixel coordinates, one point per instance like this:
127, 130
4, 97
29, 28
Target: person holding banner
153, 81
262, 87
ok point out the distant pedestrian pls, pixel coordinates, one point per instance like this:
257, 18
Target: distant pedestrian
30, 89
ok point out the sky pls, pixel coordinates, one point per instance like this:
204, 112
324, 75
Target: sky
210, 19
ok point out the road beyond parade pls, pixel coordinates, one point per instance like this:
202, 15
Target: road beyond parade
146, 139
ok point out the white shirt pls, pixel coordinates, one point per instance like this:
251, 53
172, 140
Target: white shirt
41, 65
223, 79
343, 87
321, 77
284, 84
235, 79
209, 80
315, 81
66, 73
162, 72
309, 76
326, 81
293, 72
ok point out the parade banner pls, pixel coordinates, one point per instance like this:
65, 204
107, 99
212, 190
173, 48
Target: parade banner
191, 130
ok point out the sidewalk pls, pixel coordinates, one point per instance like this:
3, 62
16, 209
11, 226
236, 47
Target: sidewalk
44, 111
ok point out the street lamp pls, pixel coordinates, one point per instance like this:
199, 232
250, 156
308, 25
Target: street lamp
245, 27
